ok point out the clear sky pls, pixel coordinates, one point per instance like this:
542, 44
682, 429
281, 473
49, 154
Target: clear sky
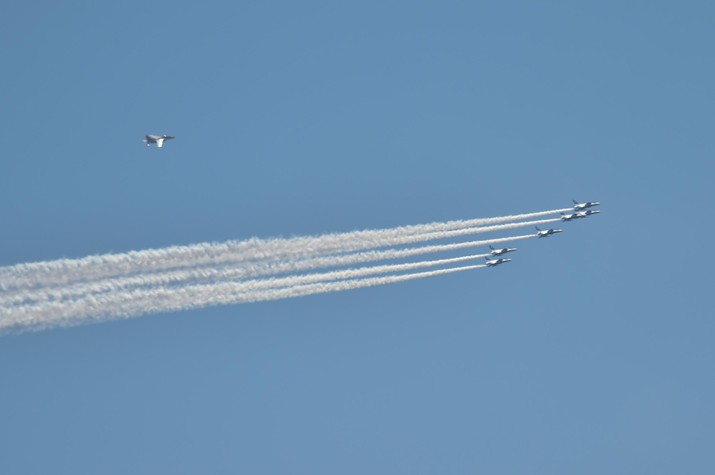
591, 353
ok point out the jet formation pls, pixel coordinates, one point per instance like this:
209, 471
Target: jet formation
581, 211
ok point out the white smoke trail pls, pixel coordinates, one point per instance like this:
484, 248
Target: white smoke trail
65, 271
97, 288
183, 277
324, 243
142, 301
350, 284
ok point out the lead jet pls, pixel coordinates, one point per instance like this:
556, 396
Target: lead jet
157, 139
546, 232
587, 213
496, 262
499, 252
582, 206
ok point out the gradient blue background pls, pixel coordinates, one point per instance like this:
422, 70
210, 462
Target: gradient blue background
591, 353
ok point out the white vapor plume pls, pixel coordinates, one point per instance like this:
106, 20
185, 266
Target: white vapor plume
65, 271
68, 292
200, 274
163, 299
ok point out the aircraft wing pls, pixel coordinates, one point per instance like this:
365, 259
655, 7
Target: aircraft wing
159, 143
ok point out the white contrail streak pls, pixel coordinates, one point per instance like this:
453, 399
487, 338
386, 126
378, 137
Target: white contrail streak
225, 273
139, 302
68, 292
326, 241
320, 287
66, 271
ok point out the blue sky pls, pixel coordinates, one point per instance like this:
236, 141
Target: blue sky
591, 352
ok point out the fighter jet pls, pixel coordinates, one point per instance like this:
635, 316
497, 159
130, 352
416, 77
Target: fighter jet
157, 139
496, 262
571, 216
546, 232
581, 206
499, 252
587, 213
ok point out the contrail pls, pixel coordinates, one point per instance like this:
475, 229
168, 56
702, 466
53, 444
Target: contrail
142, 301
225, 273
310, 289
325, 243
65, 271
68, 292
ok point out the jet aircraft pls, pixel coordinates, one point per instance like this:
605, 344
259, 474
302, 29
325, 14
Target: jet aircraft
581, 206
587, 213
546, 232
496, 262
157, 139
571, 216
499, 252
